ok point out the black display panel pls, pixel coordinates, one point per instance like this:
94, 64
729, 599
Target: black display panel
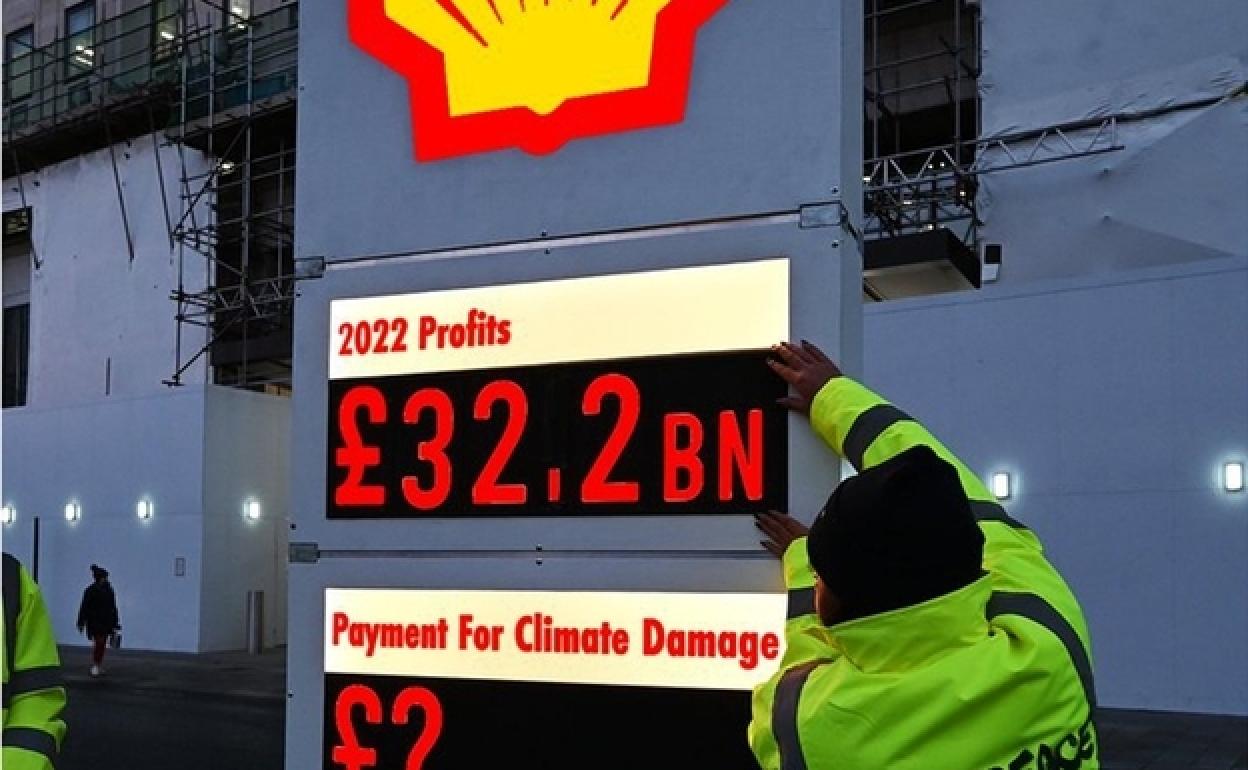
695, 434
402, 723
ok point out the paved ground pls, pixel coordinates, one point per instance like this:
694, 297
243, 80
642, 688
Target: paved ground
227, 710
155, 711
233, 675
1145, 740
112, 728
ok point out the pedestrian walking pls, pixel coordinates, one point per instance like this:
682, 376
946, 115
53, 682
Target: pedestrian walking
34, 696
926, 629
97, 616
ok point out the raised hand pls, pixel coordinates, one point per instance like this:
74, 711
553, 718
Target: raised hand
806, 368
781, 530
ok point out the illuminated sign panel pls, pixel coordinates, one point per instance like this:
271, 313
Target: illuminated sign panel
491, 74
430, 673
634, 393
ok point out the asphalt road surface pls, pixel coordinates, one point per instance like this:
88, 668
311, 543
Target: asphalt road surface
120, 729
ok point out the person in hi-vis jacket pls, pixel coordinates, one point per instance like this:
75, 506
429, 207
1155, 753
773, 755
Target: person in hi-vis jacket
34, 695
926, 629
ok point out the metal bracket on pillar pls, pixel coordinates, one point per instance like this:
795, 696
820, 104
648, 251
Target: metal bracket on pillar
309, 268
304, 553
829, 214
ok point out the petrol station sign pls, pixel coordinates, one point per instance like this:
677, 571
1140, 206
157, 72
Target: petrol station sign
532, 413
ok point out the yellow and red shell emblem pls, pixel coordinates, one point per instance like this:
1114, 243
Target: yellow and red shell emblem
491, 74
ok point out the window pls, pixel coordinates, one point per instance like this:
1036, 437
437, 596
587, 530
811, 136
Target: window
19, 49
239, 11
166, 26
80, 39
16, 354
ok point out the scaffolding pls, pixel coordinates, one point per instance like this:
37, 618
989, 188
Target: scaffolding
924, 157
237, 106
192, 75
921, 110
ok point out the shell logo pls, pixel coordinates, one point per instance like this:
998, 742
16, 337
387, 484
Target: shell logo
487, 75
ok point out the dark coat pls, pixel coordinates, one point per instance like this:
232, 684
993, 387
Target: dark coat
98, 611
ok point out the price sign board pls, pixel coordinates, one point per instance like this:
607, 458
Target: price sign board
551, 679
640, 393
548, 247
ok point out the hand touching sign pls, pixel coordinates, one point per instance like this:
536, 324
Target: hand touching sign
534, 53
806, 368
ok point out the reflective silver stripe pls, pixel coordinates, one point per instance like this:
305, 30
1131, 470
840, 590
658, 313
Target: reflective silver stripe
867, 428
32, 680
986, 511
784, 716
31, 739
801, 602
1035, 608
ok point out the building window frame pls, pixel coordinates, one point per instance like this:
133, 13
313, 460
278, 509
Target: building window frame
80, 39
166, 29
16, 355
19, 65
236, 14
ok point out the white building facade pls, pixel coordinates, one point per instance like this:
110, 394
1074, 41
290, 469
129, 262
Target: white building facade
181, 493
1106, 367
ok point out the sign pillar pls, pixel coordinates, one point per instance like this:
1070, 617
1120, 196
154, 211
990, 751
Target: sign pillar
532, 411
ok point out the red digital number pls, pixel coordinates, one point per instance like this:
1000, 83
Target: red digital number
381, 327
428, 703
432, 451
682, 459
344, 330
744, 454
349, 753
596, 488
356, 456
486, 490
364, 337
400, 335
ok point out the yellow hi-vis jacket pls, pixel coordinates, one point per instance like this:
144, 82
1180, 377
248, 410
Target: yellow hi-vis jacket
33, 694
997, 674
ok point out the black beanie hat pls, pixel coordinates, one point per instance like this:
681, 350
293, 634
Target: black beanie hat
98, 572
897, 534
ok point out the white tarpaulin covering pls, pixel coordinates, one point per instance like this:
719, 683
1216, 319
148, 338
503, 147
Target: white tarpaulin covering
1174, 75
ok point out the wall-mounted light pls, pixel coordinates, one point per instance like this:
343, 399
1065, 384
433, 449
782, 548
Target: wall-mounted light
73, 511
1233, 476
144, 509
1001, 485
8, 514
251, 510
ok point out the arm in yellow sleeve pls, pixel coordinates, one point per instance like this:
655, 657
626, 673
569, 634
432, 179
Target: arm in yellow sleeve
34, 696
805, 639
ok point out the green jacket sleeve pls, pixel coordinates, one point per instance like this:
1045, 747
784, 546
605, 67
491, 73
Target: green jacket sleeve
867, 430
805, 639
34, 696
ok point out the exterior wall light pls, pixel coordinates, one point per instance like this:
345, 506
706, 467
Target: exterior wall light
251, 510
73, 511
144, 509
1001, 485
1233, 477
8, 514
